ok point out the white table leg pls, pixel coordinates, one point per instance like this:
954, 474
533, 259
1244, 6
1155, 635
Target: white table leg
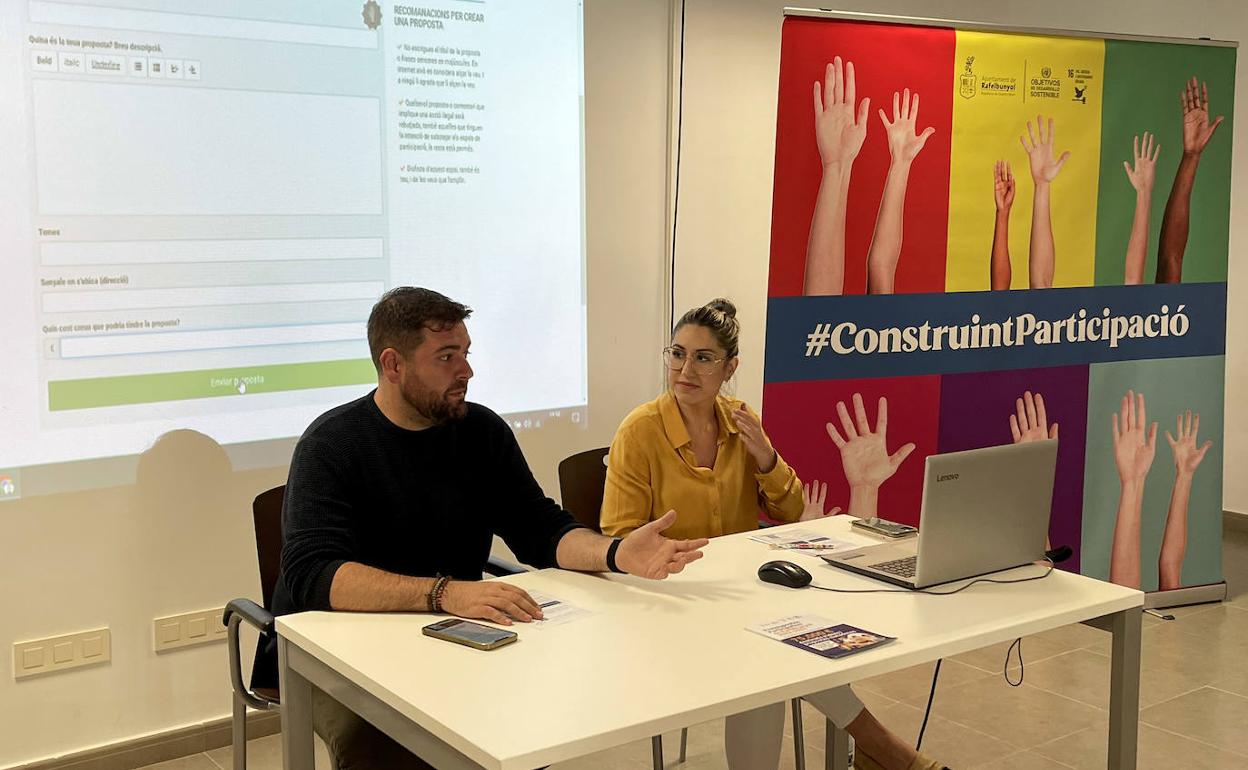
1124, 692
297, 750
836, 747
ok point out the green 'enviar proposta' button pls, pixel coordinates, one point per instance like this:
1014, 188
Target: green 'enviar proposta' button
206, 383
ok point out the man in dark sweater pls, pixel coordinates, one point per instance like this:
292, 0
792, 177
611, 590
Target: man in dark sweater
393, 501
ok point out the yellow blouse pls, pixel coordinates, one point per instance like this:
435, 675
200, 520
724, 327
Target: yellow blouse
651, 469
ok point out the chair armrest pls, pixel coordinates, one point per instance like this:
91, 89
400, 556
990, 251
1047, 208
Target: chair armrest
500, 567
236, 612
257, 616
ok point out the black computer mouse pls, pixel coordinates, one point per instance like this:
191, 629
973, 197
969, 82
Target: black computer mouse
784, 573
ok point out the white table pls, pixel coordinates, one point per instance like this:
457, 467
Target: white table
658, 656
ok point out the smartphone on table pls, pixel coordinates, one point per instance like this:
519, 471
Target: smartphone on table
884, 528
476, 635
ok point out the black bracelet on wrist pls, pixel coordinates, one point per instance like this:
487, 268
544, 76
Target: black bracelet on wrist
436, 593
611, 549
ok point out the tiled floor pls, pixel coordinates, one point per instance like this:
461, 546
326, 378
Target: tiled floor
1194, 702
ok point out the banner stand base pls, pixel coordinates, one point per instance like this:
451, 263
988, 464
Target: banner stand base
1214, 592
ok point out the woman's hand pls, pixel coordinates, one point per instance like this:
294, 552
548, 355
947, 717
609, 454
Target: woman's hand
756, 441
813, 496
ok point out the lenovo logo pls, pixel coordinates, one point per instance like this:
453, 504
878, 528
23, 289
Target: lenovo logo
947, 477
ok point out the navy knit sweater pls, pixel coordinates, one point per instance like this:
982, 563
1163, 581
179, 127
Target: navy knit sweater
420, 503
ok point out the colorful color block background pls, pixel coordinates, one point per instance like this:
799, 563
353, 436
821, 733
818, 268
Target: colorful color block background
1108, 91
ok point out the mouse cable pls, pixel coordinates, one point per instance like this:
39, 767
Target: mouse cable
1005, 670
1018, 643
930, 592
928, 712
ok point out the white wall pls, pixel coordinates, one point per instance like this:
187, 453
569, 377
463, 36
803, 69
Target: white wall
180, 539
731, 71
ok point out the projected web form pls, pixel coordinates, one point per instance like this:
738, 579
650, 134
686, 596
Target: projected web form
210, 198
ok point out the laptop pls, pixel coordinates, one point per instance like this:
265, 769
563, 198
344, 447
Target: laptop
984, 510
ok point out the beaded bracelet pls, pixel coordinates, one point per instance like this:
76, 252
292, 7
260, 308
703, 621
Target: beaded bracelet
436, 594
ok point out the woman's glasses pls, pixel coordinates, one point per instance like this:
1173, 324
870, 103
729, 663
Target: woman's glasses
704, 362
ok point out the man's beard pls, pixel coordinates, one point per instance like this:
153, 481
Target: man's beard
437, 408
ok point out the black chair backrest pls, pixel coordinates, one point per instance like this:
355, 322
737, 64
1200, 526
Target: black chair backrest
266, 512
582, 478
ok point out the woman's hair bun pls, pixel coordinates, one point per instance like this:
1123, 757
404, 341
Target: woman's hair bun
724, 306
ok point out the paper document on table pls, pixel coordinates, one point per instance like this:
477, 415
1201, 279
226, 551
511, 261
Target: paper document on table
820, 636
556, 612
802, 540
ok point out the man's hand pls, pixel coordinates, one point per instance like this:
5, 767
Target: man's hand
1197, 130
838, 133
903, 144
813, 496
1031, 423
1145, 170
1134, 447
864, 453
491, 600
1003, 185
756, 441
646, 553
1044, 167
1186, 454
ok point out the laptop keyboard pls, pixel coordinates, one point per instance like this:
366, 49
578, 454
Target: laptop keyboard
899, 567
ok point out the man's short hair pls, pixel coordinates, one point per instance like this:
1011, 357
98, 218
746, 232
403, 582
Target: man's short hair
400, 317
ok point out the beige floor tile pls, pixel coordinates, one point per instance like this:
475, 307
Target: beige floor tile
265, 754
1217, 624
705, 739
814, 756
874, 701
1025, 716
913, 685
1035, 649
703, 762
1202, 660
1212, 716
1188, 611
1084, 676
1104, 646
955, 745
1073, 636
1158, 750
193, 762
1025, 760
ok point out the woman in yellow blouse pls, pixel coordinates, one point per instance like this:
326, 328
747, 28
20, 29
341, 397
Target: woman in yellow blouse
706, 456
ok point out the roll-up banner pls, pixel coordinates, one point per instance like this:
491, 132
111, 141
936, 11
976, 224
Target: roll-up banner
983, 236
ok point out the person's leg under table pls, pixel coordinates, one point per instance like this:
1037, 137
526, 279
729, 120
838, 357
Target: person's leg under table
354, 743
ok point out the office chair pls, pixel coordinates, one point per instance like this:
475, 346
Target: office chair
582, 480
266, 512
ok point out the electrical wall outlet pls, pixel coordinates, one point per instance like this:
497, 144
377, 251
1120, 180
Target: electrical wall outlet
188, 630
58, 653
